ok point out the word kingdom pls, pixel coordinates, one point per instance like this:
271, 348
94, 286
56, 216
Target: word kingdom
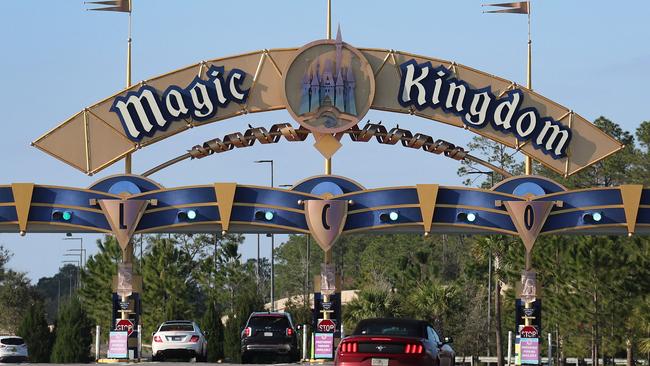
424, 86
143, 112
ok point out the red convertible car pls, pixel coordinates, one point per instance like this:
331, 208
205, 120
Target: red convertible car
394, 342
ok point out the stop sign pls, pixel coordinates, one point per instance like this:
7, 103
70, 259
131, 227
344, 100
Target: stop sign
124, 325
529, 331
326, 326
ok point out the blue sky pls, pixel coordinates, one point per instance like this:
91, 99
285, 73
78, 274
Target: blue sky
57, 58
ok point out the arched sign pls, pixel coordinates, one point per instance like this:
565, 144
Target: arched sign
328, 86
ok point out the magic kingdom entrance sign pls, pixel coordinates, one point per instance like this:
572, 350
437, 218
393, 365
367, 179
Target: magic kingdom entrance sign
328, 86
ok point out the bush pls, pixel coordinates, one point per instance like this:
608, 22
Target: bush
34, 330
73, 334
212, 325
232, 339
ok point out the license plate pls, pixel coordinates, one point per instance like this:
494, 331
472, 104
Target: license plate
379, 362
12, 349
268, 334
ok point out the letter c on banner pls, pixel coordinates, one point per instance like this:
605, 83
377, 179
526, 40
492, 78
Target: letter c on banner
324, 217
529, 217
326, 220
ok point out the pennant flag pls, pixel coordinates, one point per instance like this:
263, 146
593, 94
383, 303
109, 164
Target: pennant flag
123, 6
520, 7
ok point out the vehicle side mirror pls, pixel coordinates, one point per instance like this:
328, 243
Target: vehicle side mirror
153, 334
206, 333
447, 340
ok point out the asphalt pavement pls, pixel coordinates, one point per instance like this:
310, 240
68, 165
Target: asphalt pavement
188, 363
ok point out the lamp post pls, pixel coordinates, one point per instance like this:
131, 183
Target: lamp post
272, 243
70, 277
489, 297
81, 248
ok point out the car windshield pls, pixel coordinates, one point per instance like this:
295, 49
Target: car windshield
176, 328
389, 327
15, 341
268, 321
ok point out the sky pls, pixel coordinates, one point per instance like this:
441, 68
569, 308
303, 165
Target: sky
58, 58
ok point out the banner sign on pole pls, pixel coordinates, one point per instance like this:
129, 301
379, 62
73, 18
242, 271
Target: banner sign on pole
324, 345
529, 348
118, 345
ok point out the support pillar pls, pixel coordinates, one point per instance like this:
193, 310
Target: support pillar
123, 216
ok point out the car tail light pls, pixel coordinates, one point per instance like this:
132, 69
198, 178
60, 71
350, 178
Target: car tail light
289, 331
414, 349
194, 339
350, 347
157, 339
247, 332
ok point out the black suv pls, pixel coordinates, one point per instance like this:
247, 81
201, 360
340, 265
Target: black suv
269, 334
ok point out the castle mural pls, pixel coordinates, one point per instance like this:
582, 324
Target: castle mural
333, 87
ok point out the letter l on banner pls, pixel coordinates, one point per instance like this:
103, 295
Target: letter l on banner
123, 217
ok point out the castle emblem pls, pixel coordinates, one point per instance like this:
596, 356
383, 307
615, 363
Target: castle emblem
329, 89
329, 85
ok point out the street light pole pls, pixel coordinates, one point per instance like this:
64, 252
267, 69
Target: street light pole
78, 263
489, 296
272, 242
81, 248
257, 264
307, 290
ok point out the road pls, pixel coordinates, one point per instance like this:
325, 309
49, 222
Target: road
177, 363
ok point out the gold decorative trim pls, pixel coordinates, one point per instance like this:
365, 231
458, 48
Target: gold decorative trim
427, 194
22, 193
225, 193
631, 195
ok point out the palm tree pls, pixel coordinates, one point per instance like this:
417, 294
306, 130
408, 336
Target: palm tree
432, 301
372, 302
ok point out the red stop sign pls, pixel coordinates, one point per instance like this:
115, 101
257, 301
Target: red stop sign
124, 325
529, 331
326, 326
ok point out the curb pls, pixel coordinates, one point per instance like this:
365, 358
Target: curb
117, 360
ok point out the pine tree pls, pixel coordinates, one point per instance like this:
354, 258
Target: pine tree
97, 279
213, 327
73, 334
167, 281
34, 330
232, 339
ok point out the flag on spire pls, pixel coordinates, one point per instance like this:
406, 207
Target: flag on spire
123, 6
520, 7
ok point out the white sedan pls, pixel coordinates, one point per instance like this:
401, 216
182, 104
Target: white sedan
179, 339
